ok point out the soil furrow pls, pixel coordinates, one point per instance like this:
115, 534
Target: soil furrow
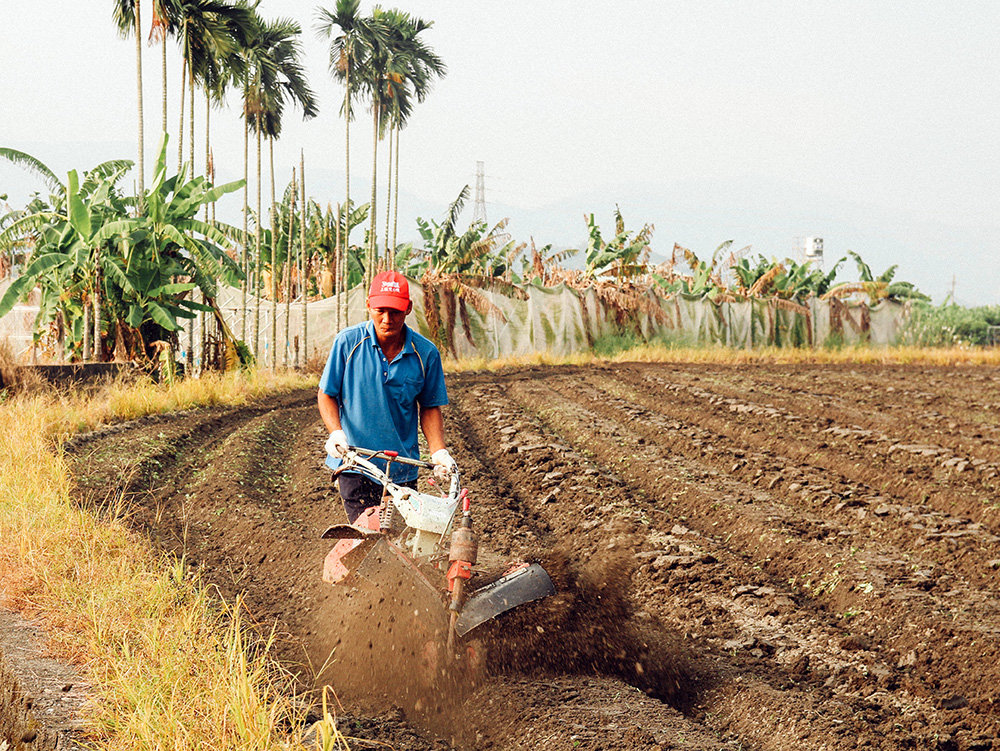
723, 599
748, 452
774, 554
907, 465
760, 557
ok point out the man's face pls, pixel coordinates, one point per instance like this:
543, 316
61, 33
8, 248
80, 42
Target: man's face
388, 321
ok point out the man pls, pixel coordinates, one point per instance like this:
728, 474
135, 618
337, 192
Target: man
381, 380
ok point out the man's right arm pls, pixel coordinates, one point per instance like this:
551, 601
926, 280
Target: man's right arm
329, 410
336, 445
329, 407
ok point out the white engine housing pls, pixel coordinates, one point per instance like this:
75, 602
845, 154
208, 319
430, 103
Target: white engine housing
428, 515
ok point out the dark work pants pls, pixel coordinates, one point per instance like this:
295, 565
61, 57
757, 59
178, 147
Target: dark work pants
360, 492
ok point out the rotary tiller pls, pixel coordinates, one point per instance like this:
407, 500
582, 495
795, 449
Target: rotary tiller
417, 549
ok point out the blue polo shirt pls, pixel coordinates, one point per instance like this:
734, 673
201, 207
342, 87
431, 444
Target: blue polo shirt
380, 400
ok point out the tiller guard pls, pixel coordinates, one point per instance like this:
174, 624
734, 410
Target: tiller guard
526, 583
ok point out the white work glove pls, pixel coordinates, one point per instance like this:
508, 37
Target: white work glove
336, 444
444, 465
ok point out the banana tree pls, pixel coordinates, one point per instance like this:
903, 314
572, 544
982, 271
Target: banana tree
455, 267
478, 252
623, 256
139, 269
544, 265
165, 253
323, 229
704, 279
67, 259
875, 287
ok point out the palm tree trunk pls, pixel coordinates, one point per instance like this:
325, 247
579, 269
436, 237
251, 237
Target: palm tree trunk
344, 243
163, 65
98, 350
245, 261
201, 334
138, 75
193, 357
256, 287
338, 265
388, 204
274, 263
304, 276
180, 126
288, 268
395, 214
372, 238
86, 329
208, 144
191, 121
339, 261
208, 108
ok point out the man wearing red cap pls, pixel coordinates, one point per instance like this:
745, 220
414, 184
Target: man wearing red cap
381, 380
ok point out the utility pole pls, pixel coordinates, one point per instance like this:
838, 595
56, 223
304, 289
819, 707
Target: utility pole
479, 212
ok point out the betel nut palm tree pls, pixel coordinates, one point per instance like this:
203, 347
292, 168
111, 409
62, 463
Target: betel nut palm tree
383, 57
399, 69
163, 25
274, 75
419, 65
349, 51
128, 20
209, 33
292, 87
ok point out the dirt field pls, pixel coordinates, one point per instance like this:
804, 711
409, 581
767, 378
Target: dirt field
753, 557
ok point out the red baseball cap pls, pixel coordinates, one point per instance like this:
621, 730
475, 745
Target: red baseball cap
389, 290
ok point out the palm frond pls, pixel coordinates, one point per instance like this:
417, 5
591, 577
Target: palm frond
33, 165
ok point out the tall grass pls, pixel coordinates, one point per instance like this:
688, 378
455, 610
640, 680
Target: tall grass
169, 668
950, 325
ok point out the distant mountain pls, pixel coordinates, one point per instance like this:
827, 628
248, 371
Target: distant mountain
770, 216
774, 219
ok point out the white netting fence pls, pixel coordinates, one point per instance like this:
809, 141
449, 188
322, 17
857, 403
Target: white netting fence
557, 320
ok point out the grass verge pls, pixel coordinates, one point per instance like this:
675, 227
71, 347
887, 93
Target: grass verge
170, 669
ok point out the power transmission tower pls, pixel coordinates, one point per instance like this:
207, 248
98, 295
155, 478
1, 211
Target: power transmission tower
479, 211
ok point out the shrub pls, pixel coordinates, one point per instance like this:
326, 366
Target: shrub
950, 325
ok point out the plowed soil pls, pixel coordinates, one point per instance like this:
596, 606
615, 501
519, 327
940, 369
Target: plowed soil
753, 557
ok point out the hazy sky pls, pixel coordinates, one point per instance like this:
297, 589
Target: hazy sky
890, 104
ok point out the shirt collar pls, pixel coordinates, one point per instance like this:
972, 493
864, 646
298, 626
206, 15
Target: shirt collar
407, 337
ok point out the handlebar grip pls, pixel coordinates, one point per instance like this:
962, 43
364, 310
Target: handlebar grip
392, 455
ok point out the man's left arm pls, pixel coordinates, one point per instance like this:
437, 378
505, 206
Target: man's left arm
432, 425
432, 397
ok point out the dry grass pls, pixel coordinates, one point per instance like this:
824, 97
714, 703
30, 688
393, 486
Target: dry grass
845, 355
516, 361
13, 377
951, 356
169, 669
